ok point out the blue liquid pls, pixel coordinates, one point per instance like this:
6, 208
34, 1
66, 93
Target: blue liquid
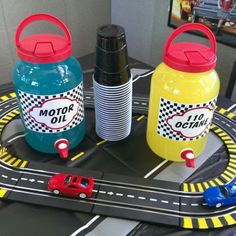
48, 79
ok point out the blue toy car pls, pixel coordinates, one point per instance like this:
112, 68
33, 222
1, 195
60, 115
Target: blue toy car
222, 195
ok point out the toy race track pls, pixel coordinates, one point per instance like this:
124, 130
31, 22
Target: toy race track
130, 191
116, 195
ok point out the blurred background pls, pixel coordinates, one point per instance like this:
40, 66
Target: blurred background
145, 23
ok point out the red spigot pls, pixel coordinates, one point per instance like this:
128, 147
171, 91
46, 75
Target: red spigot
62, 146
188, 155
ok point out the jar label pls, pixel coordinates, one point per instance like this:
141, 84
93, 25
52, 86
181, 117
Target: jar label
185, 122
52, 113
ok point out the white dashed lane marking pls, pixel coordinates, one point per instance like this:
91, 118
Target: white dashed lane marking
163, 201
14, 179
24, 179
149, 199
153, 199
176, 203
111, 193
142, 198
102, 192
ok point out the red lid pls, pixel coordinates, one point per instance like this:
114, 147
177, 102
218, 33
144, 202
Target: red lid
189, 56
43, 48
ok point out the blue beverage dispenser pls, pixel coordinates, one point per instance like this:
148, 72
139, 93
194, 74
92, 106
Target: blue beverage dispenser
49, 88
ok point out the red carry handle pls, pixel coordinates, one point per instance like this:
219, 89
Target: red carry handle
191, 26
42, 17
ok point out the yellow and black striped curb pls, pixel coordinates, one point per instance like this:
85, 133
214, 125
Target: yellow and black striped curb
12, 160
3, 192
4, 155
228, 174
208, 222
226, 113
7, 97
7, 118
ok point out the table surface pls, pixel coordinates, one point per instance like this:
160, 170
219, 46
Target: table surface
26, 219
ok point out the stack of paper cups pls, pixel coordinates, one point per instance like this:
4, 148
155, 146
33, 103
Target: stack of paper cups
112, 84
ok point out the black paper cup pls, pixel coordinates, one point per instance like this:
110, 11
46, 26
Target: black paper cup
112, 84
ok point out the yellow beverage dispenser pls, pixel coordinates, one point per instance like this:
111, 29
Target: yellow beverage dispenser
184, 89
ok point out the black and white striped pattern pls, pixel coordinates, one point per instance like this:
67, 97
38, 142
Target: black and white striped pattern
113, 110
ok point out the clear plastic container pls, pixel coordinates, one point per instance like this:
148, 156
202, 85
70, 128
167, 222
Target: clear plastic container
49, 87
184, 89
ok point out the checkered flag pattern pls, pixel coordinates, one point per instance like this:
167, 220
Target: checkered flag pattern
169, 108
27, 101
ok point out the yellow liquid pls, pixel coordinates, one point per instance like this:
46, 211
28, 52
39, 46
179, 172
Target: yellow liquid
180, 87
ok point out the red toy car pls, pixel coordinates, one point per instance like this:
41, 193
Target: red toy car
71, 185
